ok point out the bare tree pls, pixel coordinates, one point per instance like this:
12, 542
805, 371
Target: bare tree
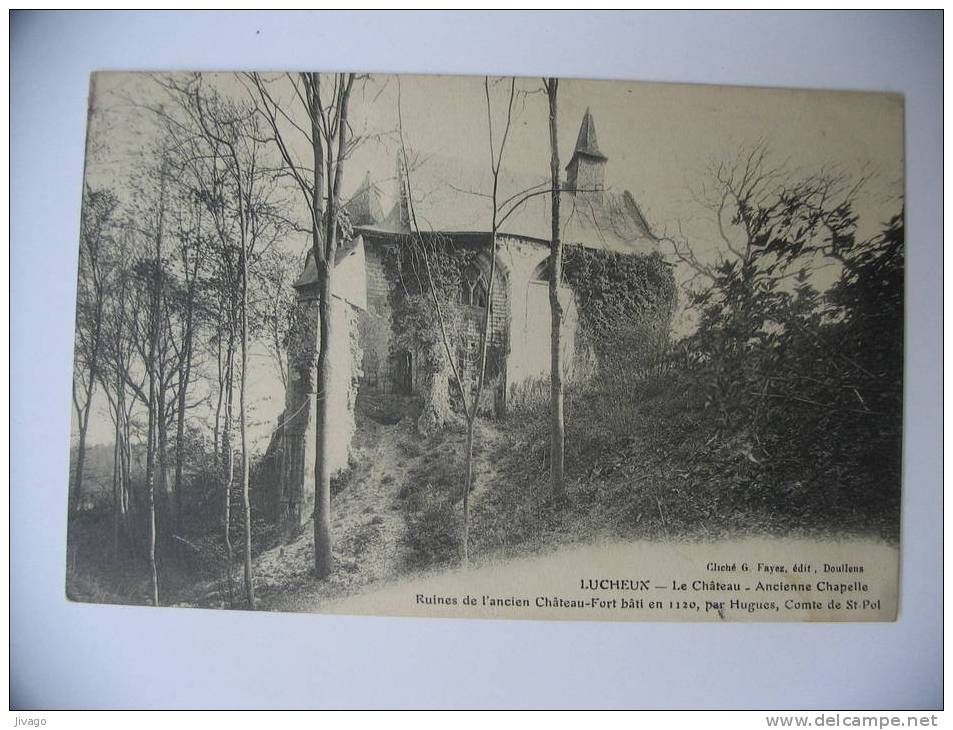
117, 369
98, 221
325, 128
204, 182
150, 334
191, 251
557, 424
228, 176
755, 201
500, 212
277, 305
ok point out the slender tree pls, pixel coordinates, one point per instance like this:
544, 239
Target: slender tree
557, 424
191, 254
98, 221
150, 342
277, 304
501, 210
123, 372
235, 179
113, 375
325, 127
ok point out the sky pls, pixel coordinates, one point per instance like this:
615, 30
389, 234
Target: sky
661, 141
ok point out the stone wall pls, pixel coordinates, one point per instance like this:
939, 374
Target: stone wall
472, 317
374, 324
378, 287
530, 319
519, 350
385, 370
297, 439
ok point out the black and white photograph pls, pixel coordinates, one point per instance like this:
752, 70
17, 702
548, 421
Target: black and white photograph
476, 359
488, 346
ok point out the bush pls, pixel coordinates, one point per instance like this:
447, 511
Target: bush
433, 534
626, 305
801, 391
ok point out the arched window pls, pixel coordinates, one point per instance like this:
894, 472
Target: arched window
473, 289
543, 272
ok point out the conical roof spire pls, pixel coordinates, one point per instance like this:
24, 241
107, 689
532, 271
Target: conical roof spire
586, 142
364, 207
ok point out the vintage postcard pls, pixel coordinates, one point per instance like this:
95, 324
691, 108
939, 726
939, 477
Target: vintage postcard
466, 347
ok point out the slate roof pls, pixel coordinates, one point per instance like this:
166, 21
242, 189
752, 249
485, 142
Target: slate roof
309, 276
451, 196
364, 207
586, 142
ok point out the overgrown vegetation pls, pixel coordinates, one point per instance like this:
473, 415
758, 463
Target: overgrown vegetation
429, 499
415, 325
780, 414
626, 304
192, 555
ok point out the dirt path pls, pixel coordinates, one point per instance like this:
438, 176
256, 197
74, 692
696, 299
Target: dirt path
367, 521
366, 527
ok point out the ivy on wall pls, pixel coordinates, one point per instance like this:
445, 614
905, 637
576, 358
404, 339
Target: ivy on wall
414, 322
415, 327
626, 304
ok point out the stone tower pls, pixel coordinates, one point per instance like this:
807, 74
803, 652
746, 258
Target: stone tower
586, 170
364, 207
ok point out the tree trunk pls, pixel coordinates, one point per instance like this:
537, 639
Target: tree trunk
185, 373
155, 331
323, 251
474, 412
76, 502
117, 469
436, 409
127, 463
322, 464
557, 447
228, 461
246, 502
150, 490
468, 483
221, 389
152, 546
329, 123
78, 478
162, 433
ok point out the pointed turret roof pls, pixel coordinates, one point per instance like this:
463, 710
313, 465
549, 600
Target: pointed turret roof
586, 142
364, 207
446, 200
